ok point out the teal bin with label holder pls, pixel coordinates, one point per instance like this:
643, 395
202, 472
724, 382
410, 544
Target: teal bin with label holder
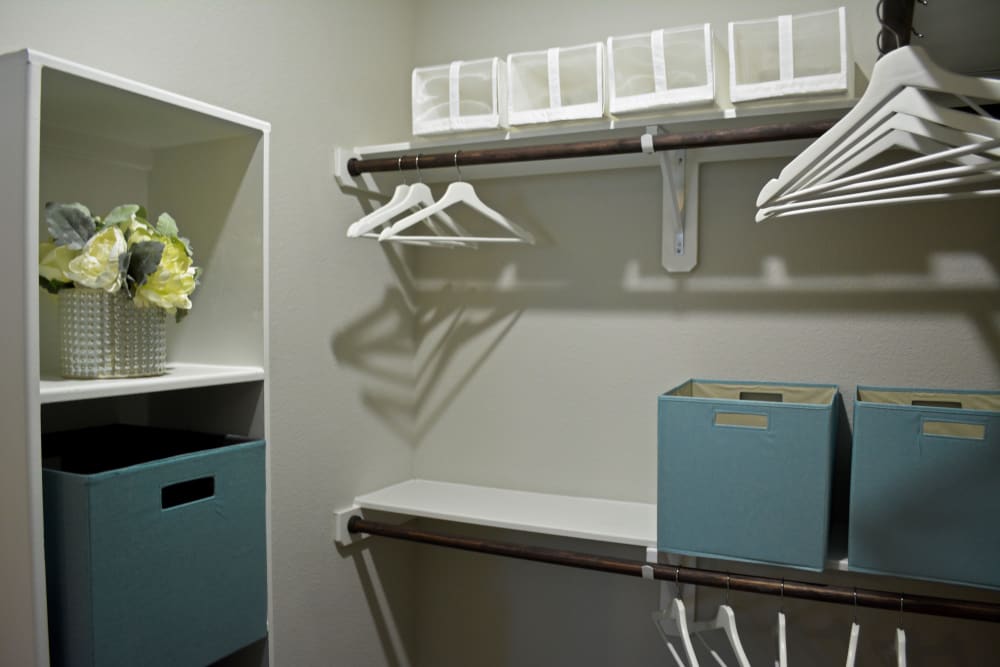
155, 545
745, 470
925, 485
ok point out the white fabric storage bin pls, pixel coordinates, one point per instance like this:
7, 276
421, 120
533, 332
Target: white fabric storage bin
557, 84
663, 68
460, 96
798, 54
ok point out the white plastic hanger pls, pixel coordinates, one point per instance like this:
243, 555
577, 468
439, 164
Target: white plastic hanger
900, 130
885, 199
725, 619
914, 115
928, 118
852, 645
898, 189
404, 199
456, 193
782, 660
897, 183
906, 67
900, 638
972, 157
672, 624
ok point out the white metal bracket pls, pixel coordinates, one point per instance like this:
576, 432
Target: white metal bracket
341, 534
680, 206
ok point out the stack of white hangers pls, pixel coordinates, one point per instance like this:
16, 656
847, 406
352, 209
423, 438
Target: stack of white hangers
414, 204
910, 104
673, 624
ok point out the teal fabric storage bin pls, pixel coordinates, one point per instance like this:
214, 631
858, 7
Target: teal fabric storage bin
925, 485
155, 547
745, 471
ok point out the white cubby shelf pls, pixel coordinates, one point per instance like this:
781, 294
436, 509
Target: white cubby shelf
71, 133
178, 376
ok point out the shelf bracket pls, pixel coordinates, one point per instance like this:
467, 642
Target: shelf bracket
364, 182
680, 197
341, 535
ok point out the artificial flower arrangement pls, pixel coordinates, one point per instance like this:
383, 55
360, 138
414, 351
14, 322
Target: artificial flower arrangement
153, 264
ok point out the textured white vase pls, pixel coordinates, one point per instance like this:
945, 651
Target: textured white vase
106, 336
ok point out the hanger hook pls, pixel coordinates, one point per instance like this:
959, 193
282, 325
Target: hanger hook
727, 589
855, 604
416, 161
456, 165
880, 37
399, 166
900, 610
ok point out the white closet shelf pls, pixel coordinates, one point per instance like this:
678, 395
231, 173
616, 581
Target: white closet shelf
605, 144
612, 521
178, 376
597, 129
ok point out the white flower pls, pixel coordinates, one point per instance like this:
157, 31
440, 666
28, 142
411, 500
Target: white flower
97, 265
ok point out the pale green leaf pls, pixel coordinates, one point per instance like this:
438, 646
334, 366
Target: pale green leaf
121, 214
165, 225
69, 224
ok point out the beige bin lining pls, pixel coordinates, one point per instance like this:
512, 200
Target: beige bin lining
932, 399
736, 392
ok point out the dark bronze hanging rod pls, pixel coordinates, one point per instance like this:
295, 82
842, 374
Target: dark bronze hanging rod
622, 146
911, 604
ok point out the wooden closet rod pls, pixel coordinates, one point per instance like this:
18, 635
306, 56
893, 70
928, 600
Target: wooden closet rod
623, 146
911, 604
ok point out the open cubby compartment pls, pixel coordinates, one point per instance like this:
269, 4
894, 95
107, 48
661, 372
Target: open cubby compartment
801, 54
660, 69
561, 83
461, 96
103, 145
237, 409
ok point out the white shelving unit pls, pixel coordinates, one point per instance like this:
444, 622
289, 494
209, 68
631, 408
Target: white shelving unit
72, 133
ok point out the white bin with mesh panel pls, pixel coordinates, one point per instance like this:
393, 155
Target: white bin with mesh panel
556, 84
802, 54
661, 69
460, 96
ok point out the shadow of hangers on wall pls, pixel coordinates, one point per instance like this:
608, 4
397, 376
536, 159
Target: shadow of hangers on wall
415, 362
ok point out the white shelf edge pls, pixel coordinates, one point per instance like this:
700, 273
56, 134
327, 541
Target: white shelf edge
535, 134
612, 521
115, 81
178, 376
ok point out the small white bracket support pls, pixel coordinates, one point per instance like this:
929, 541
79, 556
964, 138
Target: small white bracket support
339, 168
667, 588
680, 206
341, 534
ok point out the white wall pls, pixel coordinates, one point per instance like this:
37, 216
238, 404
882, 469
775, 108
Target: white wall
557, 392
323, 73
